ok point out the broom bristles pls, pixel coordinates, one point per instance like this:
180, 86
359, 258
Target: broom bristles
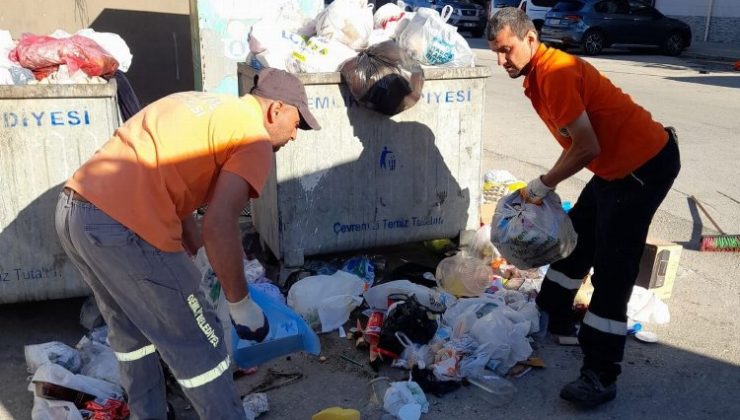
730, 243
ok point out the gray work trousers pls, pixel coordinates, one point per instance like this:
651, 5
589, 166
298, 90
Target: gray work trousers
153, 306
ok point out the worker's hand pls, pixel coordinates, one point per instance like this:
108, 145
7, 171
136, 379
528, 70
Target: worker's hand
249, 321
535, 191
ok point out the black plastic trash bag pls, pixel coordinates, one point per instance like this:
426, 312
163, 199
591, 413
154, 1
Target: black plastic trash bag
408, 316
384, 78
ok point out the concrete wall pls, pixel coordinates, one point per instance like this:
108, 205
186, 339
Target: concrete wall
724, 25
157, 31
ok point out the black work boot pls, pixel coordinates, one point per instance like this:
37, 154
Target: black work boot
589, 390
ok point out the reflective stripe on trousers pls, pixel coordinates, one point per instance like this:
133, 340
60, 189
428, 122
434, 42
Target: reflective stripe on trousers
602, 324
136, 354
206, 377
563, 280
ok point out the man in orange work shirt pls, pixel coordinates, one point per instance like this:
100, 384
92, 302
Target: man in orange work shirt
125, 219
634, 160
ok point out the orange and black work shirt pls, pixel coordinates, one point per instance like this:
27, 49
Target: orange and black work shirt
164, 162
562, 86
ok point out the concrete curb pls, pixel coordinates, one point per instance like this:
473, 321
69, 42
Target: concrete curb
706, 55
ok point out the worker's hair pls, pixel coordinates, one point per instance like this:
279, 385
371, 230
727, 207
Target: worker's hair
512, 17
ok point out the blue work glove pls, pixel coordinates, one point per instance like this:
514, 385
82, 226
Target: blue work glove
248, 319
535, 191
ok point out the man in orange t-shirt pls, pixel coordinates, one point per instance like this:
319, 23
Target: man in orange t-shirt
125, 219
634, 160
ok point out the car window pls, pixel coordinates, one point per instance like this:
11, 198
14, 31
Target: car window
612, 6
641, 9
544, 3
567, 6
506, 3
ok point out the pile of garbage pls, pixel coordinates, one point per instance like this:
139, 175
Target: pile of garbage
288, 40
468, 321
86, 57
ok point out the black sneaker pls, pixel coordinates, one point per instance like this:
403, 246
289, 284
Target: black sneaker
588, 390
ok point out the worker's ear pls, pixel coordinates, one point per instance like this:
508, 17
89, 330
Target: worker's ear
275, 108
532, 37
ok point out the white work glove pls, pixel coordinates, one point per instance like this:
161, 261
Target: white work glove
535, 191
248, 319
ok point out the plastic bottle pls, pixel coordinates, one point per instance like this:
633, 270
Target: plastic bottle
493, 389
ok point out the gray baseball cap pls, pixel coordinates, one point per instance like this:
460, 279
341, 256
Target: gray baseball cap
280, 85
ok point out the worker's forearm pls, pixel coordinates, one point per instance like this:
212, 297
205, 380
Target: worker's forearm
572, 161
224, 250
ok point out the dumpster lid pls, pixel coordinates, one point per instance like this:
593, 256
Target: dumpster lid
92, 90
430, 73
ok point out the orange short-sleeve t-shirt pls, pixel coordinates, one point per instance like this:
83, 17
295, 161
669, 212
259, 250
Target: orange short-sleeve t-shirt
562, 86
163, 163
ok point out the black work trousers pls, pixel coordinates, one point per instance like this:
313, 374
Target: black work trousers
612, 219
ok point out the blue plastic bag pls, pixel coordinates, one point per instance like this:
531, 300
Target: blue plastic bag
289, 333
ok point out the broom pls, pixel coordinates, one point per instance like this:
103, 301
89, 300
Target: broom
721, 242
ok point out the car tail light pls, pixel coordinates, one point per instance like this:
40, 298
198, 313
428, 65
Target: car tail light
573, 18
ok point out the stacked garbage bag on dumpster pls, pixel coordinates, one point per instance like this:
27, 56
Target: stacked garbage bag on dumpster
62, 58
300, 44
380, 55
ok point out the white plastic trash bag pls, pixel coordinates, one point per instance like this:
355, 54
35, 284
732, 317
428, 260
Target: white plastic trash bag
434, 301
319, 55
52, 352
644, 306
404, 398
57, 375
431, 41
347, 21
507, 341
531, 235
113, 43
389, 18
99, 361
306, 296
255, 404
46, 409
271, 46
334, 311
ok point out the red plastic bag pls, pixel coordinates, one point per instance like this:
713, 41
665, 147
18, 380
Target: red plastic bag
44, 54
105, 410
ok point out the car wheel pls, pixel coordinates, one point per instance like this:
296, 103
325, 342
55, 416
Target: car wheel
674, 44
593, 42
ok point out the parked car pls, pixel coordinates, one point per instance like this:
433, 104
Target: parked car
597, 24
537, 9
496, 5
466, 15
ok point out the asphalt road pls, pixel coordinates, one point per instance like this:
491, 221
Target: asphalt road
693, 372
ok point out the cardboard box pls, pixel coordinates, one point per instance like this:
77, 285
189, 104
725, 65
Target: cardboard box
486, 213
658, 267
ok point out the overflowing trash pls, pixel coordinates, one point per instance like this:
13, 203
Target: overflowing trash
346, 28
381, 55
62, 58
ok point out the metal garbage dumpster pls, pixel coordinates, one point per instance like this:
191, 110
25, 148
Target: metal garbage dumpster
47, 132
367, 180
